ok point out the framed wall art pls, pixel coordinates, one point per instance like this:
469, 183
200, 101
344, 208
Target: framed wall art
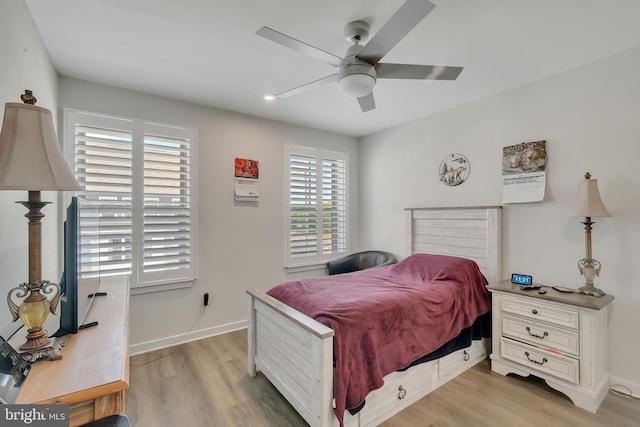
454, 169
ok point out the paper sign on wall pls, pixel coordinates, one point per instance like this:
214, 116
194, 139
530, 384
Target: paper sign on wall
246, 180
523, 172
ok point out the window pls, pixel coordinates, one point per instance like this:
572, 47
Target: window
318, 219
137, 179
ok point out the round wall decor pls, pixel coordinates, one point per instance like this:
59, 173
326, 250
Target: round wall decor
454, 169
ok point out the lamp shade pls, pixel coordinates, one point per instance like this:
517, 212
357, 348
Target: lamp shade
588, 201
30, 155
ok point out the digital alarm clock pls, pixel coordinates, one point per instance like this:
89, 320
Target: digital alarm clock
521, 279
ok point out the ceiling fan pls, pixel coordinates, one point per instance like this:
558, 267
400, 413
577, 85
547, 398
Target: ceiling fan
361, 67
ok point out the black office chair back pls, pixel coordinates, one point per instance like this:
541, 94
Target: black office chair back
360, 261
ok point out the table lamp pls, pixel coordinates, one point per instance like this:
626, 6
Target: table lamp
31, 159
588, 204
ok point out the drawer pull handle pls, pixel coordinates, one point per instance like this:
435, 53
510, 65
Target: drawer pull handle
544, 334
402, 392
466, 356
544, 359
534, 311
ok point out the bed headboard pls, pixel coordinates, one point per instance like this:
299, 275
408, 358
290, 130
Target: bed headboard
467, 232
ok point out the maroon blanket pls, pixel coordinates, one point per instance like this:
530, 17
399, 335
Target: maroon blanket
384, 318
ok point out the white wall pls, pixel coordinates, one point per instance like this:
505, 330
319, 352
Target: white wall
25, 65
240, 245
589, 117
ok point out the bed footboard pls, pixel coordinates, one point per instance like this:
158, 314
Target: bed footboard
295, 353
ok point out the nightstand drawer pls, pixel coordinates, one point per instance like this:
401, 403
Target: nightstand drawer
541, 334
559, 366
533, 309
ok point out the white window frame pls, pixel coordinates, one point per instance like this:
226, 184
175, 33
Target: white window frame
320, 256
142, 281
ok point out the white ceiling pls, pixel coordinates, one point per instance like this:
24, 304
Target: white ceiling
206, 51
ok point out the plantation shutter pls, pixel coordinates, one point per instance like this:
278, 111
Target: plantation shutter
103, 167
334, 206
136, 198
317, 205
303, 194
167, 202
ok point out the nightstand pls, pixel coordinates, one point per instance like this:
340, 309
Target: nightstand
559, 337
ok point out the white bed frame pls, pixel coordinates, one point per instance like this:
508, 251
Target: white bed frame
295, 352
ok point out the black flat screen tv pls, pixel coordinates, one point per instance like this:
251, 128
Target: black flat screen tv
80, 281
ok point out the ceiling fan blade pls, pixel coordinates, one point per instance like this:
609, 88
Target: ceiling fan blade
410, 71
298, 46
307, 86
367, 102
403, 21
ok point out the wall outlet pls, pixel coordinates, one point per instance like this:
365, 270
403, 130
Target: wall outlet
205, 299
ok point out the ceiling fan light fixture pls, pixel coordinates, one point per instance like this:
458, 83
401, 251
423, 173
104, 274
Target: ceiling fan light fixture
357, 84
356, 79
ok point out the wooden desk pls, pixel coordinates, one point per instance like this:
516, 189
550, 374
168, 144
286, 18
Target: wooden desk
93, 373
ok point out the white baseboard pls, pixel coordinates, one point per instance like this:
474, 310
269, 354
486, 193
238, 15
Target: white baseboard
148, 346
624, 386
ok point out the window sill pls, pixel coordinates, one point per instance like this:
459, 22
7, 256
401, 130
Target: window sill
161, 286
306, 267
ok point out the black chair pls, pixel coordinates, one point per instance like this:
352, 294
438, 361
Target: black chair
110, 421
360, 261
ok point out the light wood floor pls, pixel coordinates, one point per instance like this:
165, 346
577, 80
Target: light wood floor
205, 384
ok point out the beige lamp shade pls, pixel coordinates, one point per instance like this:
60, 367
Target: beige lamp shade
588, 202
30, 155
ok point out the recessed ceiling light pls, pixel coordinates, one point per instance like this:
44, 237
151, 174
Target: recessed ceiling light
269, 97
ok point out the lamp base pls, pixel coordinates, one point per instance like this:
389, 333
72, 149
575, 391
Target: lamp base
36, 340
52, 352
590, 269
591, 290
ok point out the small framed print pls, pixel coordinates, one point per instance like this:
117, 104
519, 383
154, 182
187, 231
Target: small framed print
454, 169
245, 168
